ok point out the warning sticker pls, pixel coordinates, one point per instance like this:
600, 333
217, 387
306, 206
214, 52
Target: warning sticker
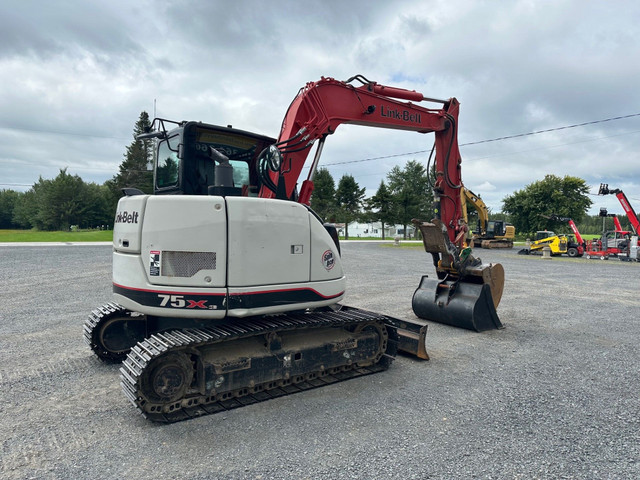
154, 263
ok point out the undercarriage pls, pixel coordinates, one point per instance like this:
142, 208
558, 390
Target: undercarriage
177, 374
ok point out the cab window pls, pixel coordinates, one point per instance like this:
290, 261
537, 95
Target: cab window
167, 166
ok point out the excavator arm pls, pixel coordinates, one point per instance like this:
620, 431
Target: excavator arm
465, 292
479, 205
320, 107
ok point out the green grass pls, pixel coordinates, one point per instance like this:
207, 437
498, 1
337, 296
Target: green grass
386, 239
107, 236
40, 236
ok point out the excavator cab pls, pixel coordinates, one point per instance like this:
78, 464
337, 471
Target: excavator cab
195, 156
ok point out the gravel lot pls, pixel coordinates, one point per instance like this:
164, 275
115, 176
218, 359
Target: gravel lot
553, 395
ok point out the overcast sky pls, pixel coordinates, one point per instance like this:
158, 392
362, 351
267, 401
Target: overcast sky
75, 75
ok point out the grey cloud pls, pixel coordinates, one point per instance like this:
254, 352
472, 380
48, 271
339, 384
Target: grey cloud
90, 68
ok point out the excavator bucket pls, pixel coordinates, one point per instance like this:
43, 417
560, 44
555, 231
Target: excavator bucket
456, 303
468, 301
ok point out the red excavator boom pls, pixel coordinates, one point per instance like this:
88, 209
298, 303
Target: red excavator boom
466, 292
321, 106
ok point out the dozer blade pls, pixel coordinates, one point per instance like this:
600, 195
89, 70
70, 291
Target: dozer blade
411, 336
457, 303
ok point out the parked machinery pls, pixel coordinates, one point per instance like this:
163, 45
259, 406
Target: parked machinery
489, 233
632, 244
228, 285
575, 244
558, 244
626, 206
612, 243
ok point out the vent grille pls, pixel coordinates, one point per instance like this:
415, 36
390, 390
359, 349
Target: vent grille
186, 264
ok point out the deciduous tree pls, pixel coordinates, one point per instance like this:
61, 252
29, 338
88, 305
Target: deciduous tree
411, 193
530, 207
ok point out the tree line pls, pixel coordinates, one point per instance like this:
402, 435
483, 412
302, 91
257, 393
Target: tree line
67, 200
542, 205
546, 204
405, 194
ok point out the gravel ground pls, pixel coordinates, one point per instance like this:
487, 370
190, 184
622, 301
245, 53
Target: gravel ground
552, 395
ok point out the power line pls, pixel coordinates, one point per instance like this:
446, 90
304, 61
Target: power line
551, 129
556, 146
497, 139
593, 122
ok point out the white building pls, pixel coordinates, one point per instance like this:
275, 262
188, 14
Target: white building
374, 229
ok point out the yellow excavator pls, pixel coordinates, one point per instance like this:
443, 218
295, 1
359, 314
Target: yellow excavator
490, 233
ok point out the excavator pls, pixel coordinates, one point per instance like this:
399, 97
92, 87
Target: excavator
227, 286
490, 233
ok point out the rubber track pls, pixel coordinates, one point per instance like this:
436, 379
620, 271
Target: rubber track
158, 344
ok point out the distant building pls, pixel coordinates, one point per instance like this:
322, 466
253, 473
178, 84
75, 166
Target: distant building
374, 229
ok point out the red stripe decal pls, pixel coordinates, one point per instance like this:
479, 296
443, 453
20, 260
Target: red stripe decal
238, 293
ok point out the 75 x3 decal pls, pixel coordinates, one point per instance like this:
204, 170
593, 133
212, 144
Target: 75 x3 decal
179, 301
188, 301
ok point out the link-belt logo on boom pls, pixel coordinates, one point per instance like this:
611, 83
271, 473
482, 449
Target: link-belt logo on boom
403, 115
126, 217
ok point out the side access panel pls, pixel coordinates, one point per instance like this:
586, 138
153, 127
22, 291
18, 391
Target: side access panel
269, 242
184, 241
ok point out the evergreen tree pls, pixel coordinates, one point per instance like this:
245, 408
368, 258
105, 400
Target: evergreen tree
62, 202
96, 210
134, 170
323, 199
8, 201
380, 206
349, 197
23, 208
26, 212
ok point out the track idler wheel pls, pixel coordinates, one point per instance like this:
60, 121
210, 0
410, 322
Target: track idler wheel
111, 331
468, 303
168, 378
